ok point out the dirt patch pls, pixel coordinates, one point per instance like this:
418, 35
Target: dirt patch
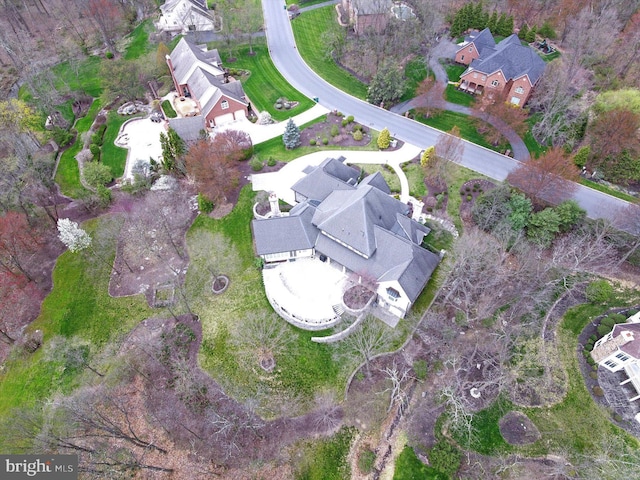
517, 429
357, 297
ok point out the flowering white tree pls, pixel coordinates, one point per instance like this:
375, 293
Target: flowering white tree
74, 238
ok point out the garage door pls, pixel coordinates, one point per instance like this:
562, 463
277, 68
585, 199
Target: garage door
240, 114
222, 119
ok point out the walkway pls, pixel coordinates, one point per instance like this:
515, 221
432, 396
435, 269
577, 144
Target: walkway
435, 99
288, 61
281, 181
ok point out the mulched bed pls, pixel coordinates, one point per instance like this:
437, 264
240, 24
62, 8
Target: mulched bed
435, 186
322, 130
517, 429
470, 191
357, 297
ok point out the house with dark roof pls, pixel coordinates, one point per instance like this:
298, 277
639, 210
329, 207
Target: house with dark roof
198, 74
367, 14
620, 350
508, 69
358, 226
184, 16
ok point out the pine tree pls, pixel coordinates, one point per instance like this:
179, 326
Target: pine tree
547, 31
493, 22
524, 30
384, 140
483, 22
531, 35
291, 135
505, 25
427, 156
475, 15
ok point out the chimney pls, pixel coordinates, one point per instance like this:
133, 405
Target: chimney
275, 206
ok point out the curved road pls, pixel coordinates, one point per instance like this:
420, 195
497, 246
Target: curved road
286, 58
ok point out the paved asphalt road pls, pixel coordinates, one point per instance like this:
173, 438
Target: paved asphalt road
494, 165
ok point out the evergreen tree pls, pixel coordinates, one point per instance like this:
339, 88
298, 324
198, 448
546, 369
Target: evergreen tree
428, 156
547, 31
531, 35
173, 150
483, 21
524, 31
387, 85
493, 22
291, 135
507, 27
475, 14
384, 140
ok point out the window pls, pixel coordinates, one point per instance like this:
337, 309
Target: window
622, 357
515, 100
611, 363
393, 293
471, 49
484, 77
519, 90
224, 105
495, 83
461, 57
475, 75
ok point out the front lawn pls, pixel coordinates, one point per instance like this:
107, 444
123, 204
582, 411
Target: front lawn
453, 95
415, 71
446, 120
265, 84
308, 29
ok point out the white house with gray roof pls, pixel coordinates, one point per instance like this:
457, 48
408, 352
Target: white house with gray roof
184, 16
356, 225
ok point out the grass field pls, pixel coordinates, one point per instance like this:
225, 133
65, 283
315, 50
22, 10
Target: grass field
137, 42
79, 308
82, 77
68, 173
453, 95
112, 156
607, 190
446, 120
308, 29
415, 72
265, 84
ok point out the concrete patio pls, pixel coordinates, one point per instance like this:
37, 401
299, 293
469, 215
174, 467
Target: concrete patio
305, 292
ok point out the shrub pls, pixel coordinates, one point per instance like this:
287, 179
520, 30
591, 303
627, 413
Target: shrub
325, 141
256, 164
272, 162
312, 142
617, 318
593, 375
334, 130
357, 135
617, 417
94, 149
344, 122
469, 198
356, 127
420, 369
350, 119
603, 330
97, 174
366, 461
598, 391
61, 136
264, 118
581, 156
445, 458
291, 135
384, 140
204, 204
599, 291
609, 322
109, 55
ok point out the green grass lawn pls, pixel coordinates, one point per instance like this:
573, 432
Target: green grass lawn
79, 306
308, 29
535, 149
453, 95
611, 191
274, 148
113, 156
265, 84
446, 120
304, 368
86, 80
454, 71
415, 72
68, 173
387, 172
138, 41
551, 56
168, 109
409, 467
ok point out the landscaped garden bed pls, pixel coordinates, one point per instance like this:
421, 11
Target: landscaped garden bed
336, 130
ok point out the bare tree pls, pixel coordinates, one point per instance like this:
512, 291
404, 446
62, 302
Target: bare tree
370, 337
400, 379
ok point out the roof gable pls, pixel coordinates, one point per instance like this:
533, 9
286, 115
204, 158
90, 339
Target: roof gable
332, 174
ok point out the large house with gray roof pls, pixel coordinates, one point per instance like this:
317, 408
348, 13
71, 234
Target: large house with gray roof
198, 74
507, 69
356, 225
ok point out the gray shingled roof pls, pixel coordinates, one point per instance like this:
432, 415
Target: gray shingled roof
185, 55
332, 174
199, 6
484, 41
512, 58
282, 234
376, 180
188, 128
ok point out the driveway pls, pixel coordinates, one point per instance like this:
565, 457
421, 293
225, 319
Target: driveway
494, 165
281, 181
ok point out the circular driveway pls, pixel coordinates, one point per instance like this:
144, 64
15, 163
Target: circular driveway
305, 292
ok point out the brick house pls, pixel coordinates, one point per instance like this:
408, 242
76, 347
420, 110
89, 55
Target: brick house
198, 74
506, 69
367, 14
620, 350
